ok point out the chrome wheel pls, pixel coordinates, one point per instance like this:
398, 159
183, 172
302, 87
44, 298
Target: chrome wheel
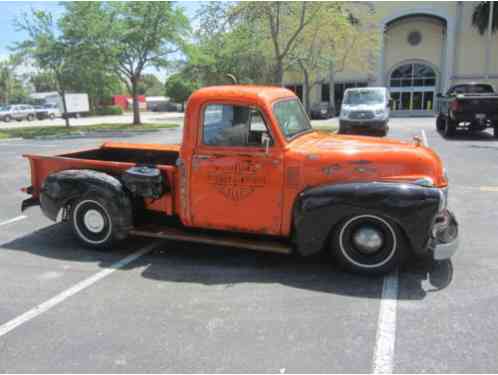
368, 239
91, 222
367, 242
94, 221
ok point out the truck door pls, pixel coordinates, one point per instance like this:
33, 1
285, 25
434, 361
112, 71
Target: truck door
237, 172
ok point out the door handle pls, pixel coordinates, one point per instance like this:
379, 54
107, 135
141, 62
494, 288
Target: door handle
202, 157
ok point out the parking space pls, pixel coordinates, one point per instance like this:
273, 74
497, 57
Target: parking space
184, 307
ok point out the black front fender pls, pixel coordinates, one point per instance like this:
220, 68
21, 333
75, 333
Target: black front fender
318, 210
60, 188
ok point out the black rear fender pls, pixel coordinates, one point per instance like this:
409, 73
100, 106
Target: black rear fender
318, 210
61, 188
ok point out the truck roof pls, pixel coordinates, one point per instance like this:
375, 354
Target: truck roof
248, 92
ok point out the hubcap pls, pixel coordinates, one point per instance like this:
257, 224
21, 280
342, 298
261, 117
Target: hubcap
94, 221
368, 240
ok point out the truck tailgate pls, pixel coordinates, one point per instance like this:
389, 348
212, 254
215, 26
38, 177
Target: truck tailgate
479, 104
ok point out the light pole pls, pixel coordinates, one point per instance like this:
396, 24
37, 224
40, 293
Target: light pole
490, 40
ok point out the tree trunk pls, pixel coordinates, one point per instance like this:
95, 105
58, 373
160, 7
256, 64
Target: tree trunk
279, 73
64, 108
332, 87
136, 106
306, 88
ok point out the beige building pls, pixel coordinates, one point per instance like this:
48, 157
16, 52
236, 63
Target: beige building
425, 47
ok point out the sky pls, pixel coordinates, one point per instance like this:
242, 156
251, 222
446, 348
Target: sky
12, 10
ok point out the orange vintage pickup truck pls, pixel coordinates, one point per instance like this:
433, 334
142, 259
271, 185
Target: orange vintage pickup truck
252, 173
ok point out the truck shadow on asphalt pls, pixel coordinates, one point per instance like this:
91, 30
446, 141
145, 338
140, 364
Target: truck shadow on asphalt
178, 262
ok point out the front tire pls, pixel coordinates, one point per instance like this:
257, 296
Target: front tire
94, 221
30, 117
7, 118
368, 244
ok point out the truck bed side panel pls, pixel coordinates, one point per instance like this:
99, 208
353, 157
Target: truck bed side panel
42, 166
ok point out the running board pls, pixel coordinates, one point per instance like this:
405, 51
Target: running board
229, 240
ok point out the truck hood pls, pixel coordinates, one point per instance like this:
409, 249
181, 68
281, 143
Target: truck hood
329, 157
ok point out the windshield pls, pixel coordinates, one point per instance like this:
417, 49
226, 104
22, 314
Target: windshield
473, 89
291, 117
358, 97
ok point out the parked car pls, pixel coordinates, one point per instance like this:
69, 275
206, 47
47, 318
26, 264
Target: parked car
322, 111
252, 173
17, 112
365, 110
47, 111
469, 106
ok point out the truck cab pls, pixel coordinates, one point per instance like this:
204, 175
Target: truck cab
251, 172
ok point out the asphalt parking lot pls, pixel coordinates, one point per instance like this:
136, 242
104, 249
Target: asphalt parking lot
183, 307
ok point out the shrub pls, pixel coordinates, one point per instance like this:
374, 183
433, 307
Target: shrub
111, 110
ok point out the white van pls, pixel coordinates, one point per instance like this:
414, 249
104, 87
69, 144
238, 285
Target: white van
365, 110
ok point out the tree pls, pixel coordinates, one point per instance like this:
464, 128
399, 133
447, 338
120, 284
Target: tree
334, 40
11, 86
480, 16
179, 88
226, 45
43, 81
281, 22
150, 85
131, 36
48, 48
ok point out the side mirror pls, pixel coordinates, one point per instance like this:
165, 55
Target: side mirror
439, 95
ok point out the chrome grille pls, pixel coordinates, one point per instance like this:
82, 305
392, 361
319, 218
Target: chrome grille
361, 115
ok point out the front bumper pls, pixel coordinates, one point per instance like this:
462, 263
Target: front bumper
363, 125
444, 239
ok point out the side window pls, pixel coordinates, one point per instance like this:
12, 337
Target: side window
233, 125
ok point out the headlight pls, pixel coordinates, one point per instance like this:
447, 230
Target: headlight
379, 112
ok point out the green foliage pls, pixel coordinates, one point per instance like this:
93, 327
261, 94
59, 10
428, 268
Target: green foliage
179, 87
127, 36
480, 16
12, 87
43, 81
150, 86
111, 110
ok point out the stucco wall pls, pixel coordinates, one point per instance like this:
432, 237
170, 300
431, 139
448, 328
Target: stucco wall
471, 48
397, 49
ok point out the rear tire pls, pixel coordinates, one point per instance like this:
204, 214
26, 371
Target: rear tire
439, 123
449, 128
368, 244
7, 118
94, 221
51, 116
30, 117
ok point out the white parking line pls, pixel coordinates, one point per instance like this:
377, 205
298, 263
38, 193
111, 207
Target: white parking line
19, 218
54, 301
424, 139
383, 360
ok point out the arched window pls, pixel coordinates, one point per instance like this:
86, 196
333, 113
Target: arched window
413, 87
413, 75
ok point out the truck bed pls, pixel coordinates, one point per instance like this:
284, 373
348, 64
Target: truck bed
112, 158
